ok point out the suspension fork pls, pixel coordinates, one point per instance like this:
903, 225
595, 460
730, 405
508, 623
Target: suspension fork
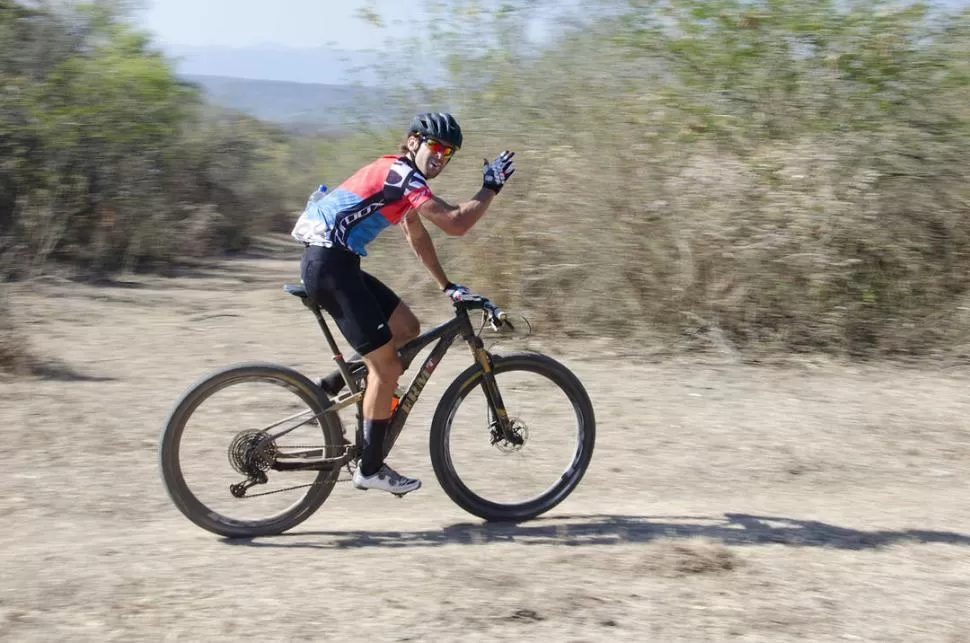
490, 386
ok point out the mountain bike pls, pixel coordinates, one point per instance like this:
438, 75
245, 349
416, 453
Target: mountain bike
275, 425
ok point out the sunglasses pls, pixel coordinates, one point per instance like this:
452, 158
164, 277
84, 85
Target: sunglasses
437, 147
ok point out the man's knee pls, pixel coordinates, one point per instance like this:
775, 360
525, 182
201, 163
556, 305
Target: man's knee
412, 329
385, 365
390, 371
404, 323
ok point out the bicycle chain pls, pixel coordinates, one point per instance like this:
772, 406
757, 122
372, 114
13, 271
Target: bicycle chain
299, 486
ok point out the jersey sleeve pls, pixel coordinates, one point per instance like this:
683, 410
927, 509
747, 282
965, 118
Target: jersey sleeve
405, 188
416, 190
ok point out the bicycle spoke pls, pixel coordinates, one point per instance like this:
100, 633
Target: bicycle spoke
531, 460
519, 465
227, 470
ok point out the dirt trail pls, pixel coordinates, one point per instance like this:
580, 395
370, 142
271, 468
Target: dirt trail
825, 502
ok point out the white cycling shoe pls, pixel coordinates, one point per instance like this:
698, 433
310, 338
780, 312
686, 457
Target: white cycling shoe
386, 479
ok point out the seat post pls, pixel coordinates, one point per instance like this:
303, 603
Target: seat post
337, 356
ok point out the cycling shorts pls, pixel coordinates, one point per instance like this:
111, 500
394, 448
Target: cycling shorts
358, 302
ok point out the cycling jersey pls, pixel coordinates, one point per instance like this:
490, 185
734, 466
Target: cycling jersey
351, 216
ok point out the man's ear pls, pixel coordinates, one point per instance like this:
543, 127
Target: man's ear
413, 144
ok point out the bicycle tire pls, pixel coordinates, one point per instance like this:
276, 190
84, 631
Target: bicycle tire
468, 380
171, 436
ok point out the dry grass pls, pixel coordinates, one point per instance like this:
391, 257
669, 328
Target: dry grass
791, 207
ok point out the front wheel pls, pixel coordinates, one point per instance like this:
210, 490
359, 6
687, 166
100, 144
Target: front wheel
514, 476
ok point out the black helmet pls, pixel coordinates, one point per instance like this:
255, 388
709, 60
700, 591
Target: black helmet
437, 125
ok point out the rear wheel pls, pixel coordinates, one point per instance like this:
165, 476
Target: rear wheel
220, 462
519, 476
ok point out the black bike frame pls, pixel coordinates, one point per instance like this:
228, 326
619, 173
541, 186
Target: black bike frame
445, 335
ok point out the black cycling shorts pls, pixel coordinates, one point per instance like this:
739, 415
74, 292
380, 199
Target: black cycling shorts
359, 303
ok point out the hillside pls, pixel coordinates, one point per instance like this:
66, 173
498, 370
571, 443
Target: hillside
294, 105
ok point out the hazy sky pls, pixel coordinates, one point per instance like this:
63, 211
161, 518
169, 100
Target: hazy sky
297, 23
288, 39
290, 29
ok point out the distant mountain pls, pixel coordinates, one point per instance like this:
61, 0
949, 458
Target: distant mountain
322, 65
295, 105
299, 88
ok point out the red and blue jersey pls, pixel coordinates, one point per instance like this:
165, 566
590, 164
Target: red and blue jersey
376, 196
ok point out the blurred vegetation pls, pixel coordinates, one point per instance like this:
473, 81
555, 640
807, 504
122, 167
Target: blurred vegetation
110, 161
772, 174
775, 175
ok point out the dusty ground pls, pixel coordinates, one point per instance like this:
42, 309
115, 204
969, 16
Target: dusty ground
821, 502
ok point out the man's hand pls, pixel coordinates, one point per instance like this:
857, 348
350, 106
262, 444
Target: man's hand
498, 171
456, 292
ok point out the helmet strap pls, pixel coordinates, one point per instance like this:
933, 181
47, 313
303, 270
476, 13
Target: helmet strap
411, 154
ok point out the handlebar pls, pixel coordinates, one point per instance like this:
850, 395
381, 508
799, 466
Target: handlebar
493, 315
496, 317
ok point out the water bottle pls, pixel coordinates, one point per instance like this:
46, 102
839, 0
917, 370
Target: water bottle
317, 195
396, 399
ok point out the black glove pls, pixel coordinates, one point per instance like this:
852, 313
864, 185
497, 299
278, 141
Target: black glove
498, 171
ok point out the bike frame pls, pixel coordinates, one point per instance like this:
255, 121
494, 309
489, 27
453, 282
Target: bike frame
445, 334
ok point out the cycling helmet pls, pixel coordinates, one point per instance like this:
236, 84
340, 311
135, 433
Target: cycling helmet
438, 125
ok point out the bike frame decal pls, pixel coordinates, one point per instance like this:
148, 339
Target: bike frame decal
418, 383
445, 334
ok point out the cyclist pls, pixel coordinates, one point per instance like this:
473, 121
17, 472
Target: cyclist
336, 227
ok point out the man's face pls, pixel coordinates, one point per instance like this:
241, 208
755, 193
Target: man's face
430, 156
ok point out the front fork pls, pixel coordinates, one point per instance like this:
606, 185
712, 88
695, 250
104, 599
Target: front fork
496, 406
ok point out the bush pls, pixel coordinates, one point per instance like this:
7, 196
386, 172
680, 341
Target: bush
111, 160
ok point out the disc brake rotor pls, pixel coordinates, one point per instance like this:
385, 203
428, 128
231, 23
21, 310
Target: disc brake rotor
511, 443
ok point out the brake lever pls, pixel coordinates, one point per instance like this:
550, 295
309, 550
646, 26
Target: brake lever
496, 317
503, 321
